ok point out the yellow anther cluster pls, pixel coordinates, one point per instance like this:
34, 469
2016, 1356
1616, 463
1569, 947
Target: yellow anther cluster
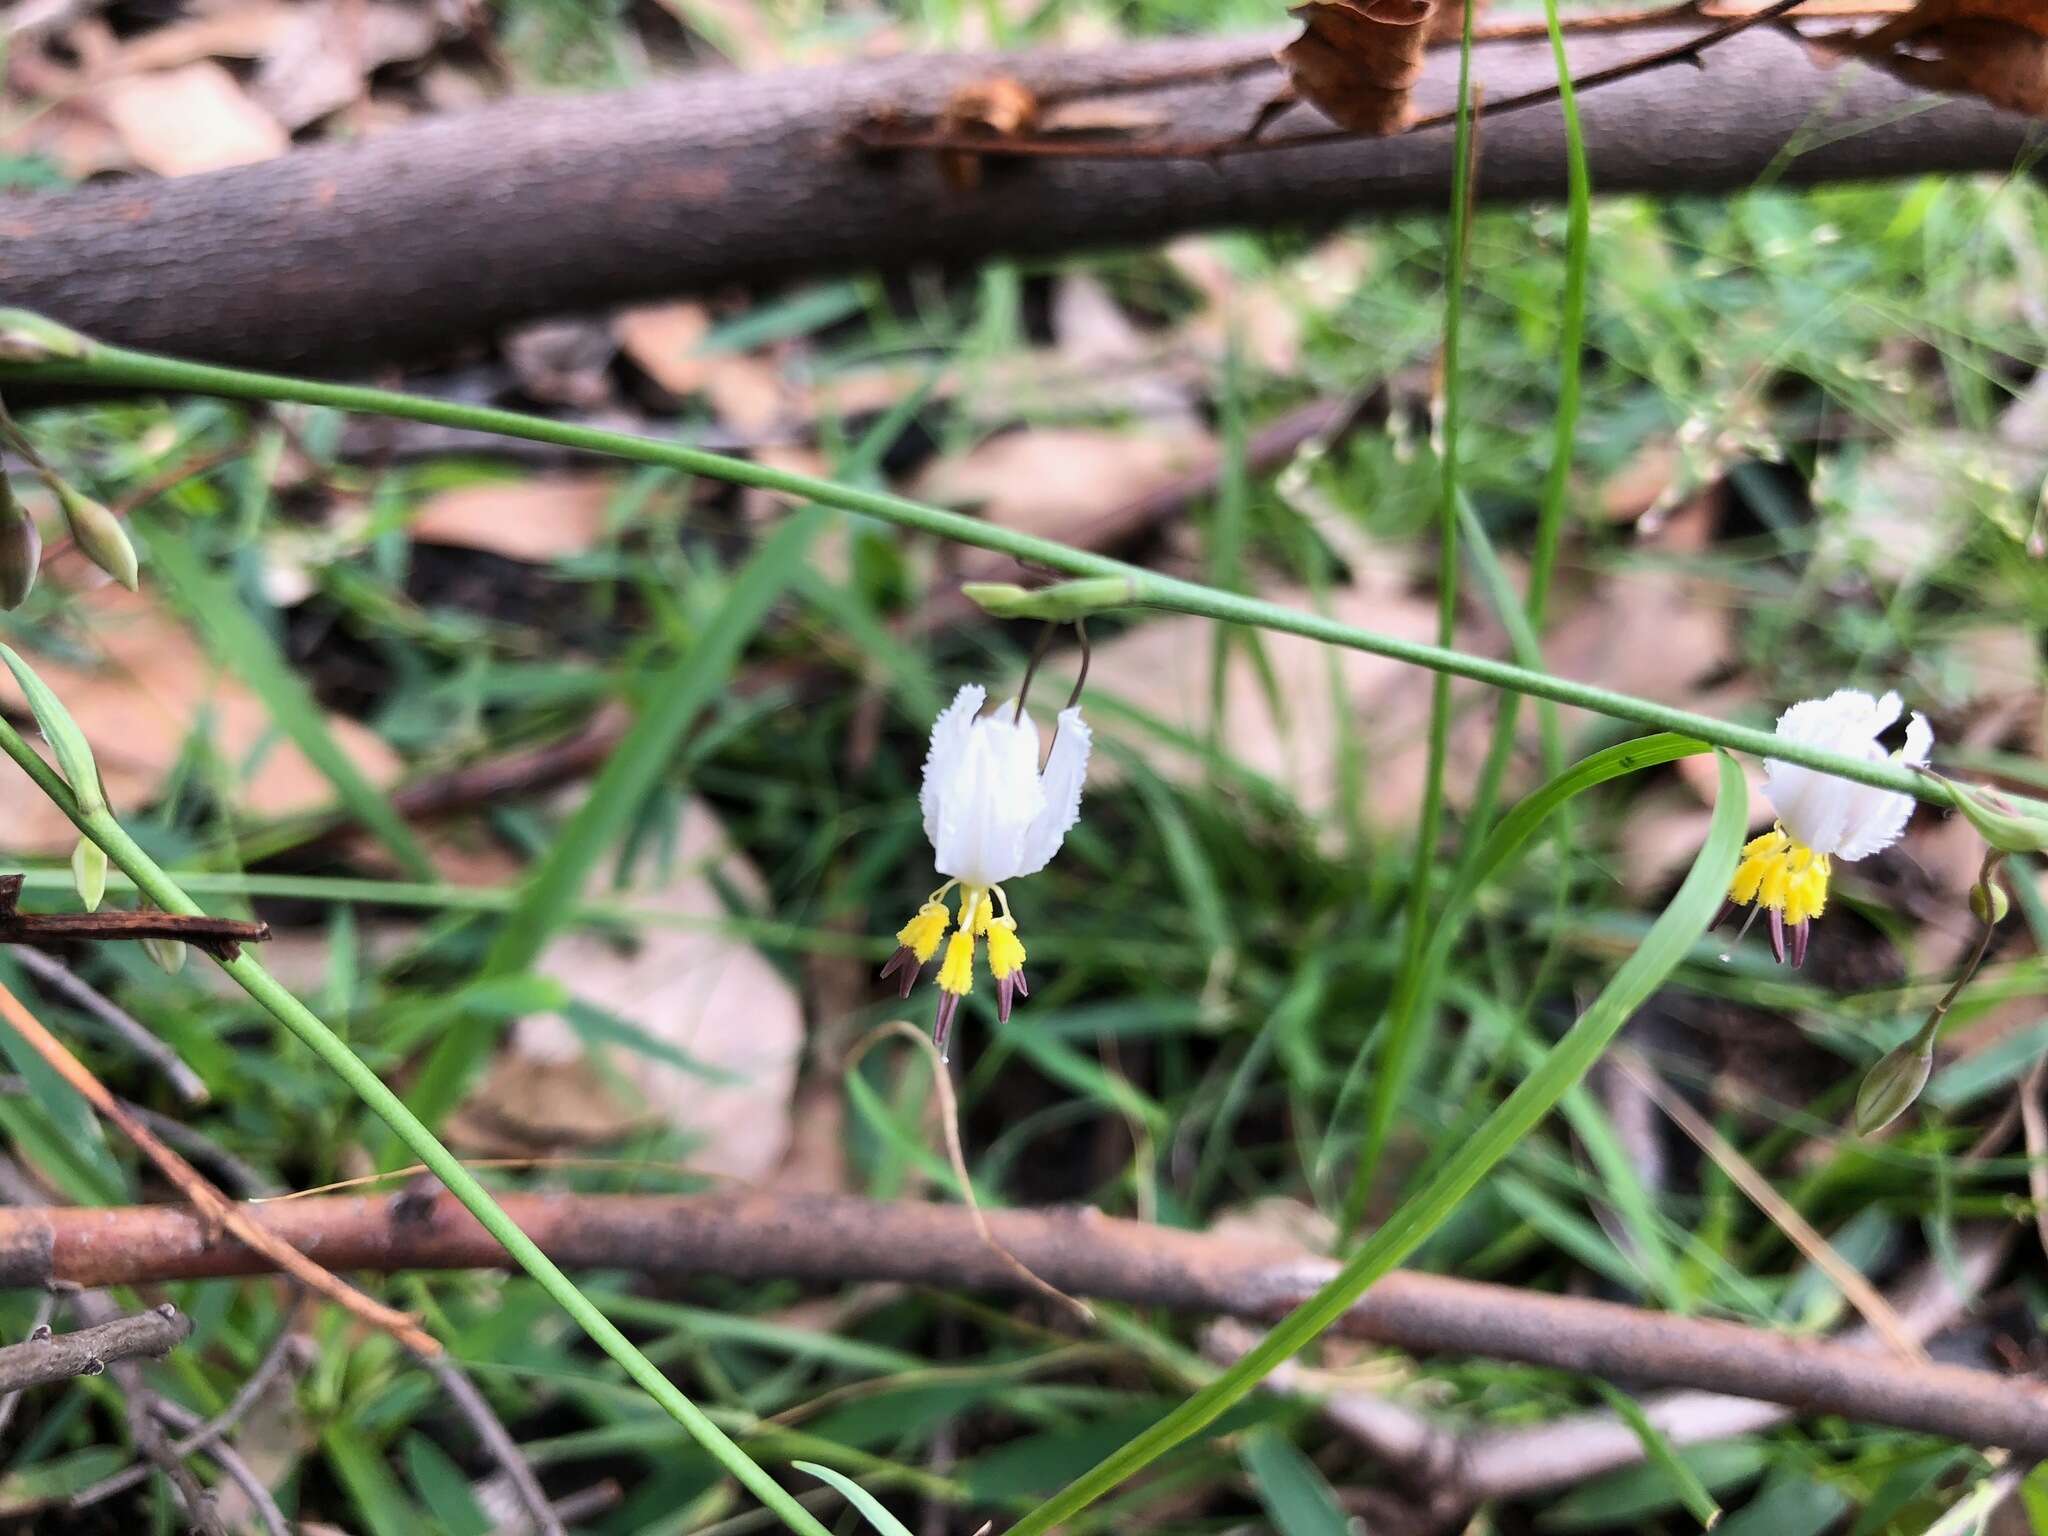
922, 933
1005, 951
1781, 875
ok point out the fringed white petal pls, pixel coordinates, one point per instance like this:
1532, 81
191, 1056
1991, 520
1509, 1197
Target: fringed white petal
1066, 769
949, 736
1832, 815
987, 802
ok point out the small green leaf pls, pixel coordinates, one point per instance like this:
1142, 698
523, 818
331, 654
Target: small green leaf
858, 1497
67, 741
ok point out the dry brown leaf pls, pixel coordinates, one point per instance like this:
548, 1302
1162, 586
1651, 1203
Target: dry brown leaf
152, 687
538, 519
1358, 60
195, 118
662, 340
996, 108
694, 989
240, 31
1993, 49
322, 59
1163, 668
1055, 481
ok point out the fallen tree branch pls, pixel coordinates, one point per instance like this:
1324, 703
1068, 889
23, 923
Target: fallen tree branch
38, 1361
448, 231
832, 1239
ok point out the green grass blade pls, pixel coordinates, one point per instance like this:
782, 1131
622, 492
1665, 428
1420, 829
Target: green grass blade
1692, 1493
1666, 944
1295, 1494
858, 1497
243, 646
674, 699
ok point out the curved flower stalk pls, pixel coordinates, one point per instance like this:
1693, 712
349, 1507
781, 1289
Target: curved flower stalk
1822, 818
993, 815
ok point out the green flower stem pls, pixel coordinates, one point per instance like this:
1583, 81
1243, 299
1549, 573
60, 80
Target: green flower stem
116, 367
102, 827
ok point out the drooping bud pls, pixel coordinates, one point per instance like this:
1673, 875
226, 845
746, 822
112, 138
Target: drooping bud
21, 549
1894, 1083
98, 534
67, 741
167, 953
2006, 826
1061, 602
29, 338
1990, 912
89, 872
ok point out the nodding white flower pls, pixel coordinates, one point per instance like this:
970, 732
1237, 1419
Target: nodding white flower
993, 815
1822, 818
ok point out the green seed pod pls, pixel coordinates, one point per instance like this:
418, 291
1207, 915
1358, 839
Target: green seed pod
1893, 1084
21, 549
1992, 912
29, 338
89, 872
167, 953
99, 535
67, 741
1060, 602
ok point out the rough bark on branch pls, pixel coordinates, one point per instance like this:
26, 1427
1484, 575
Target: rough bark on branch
60, 1356
834, 1239
441, 233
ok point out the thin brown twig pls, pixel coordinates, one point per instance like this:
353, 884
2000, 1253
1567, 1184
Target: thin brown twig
219, 936
37, 1332
187, 1084
46, 1357
139, 1402
283, 1349
880, 136
756, 1235
237, 1471
214, 1208
498, 1440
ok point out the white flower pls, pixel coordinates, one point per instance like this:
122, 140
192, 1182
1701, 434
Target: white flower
992, 816
1821, 817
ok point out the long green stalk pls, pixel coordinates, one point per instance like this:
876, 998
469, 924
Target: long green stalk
115, 367
1399, 1042
101, 826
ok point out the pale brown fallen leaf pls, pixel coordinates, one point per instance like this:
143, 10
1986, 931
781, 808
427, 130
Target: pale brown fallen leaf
662, 340
151, 687
195, 118
245, 30
1163, 668
1993, 49
1054, 481
1358, 60
695, 990
322, 58
1258, 318
538, 519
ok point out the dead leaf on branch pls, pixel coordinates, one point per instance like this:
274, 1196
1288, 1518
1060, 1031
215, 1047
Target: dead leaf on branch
1357, 61
1993, 49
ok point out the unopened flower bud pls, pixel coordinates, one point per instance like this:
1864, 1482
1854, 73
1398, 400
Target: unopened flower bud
1990, 911
2006, 826
21, 549
167, 953
29, 338
1893, 1084
99, 535
89, 872
1063, 601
